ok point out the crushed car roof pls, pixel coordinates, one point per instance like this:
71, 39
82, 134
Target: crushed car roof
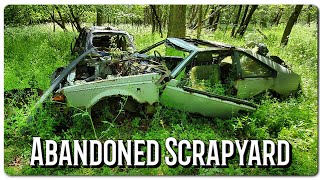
189, 45
98, 29
94, 30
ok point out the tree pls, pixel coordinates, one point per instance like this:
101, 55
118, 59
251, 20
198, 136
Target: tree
276, 20
62, 19
177, 21
236, 21
242, 29
211, 19
216, 22
214, 18
75, 17
192, 16
292, 20
309, 15
217, 10
100, 17
146, 17
165, 14
206, 10
155, 17
243, 18
199, 22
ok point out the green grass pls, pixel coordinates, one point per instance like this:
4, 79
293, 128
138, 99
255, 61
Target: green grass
33, 53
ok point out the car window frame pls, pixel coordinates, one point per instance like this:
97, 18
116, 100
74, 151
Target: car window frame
176, 71
239, 68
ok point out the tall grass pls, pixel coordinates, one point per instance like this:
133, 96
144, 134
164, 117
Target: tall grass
33, 53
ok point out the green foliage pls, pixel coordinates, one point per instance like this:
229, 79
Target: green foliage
24, 14
141, 14
40, 52
32, 53
206, 85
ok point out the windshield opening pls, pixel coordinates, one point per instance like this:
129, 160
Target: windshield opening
108, 42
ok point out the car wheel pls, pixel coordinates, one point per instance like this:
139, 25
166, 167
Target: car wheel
116, 109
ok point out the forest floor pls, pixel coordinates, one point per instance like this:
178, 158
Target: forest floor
32, 53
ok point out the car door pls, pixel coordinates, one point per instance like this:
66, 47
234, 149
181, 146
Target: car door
254, 76
177, 94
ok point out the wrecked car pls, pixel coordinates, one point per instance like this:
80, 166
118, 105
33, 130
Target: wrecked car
104, 38
196, 76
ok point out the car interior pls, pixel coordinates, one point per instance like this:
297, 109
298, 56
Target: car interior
210, 72
109, 41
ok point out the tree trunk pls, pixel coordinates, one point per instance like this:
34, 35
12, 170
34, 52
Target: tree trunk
309, 15
164, 16
156, 23
145, 17
292, 20
53, 21
279, 17
158, 18
177, 21
76, 19
236, 21
62, 24
212, 14
99, 16
153, 21
199, 22
211, 19
243, 18
190, 13
193, 16
206, 10
216, 22
276, 20
243, 28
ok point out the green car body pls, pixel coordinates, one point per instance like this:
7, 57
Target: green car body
170, 90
